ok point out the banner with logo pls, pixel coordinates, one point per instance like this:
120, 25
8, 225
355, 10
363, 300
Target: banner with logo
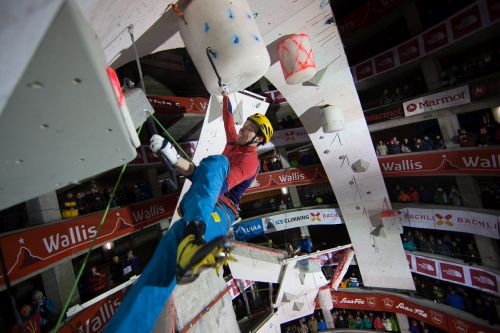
482, 161
472, 277
31, 250
437, 101
470, 20
175, 104
452, 220
314, 174
275, 96
296, 219
95, 317
383, 113
248, 229
399, 304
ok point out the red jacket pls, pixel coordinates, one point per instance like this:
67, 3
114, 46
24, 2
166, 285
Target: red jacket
243, 161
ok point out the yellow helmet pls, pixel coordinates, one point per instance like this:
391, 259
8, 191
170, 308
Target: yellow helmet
264, 124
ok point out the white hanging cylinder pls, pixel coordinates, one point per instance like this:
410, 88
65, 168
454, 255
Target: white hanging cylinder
332, 118
229, 29
296, 58
496, 113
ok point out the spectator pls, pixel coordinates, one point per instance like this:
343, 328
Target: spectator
415, 197
440, 197
377, 324
351, 321
97, 281
414, 327
428, 144
393, 147
30, 321
304, 245
43, 306
443, 248
405, 146
313, 324
455, 300
418, 145
367, 323
81, 203
132, 264
387, 324
438, 294
116, 270
483, 139
471, 255
282, 205
438, 142
425, 196
70, 208
385, 98
353, 281
403, 197
408, 244
381, 148
322, 325
455, 198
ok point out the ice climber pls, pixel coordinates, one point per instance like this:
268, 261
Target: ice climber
208, 208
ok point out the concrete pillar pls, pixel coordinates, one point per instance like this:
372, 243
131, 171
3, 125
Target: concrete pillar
404, 325
432, 73
151, 176
326, 303
449, 126
44, 209
58, 280
470, 191
488, 251
292, 191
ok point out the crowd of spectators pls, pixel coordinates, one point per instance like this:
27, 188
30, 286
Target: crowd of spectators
490, 196
270, 164
365, 320
38, 316
96, 198
487, 135
455, 245
478, 303
410, 87
394, 146
310, 324
439, 195
465, 70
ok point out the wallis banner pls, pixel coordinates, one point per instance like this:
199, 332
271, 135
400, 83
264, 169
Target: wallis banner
313, 174
475, 161
397, 304
28, 251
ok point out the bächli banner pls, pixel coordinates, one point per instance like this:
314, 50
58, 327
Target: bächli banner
452, 220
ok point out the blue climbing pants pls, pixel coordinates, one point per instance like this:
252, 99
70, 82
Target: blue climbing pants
142, 305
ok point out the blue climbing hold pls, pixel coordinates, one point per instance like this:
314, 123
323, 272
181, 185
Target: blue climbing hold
230, 14
206, 27
257, 39
249, 16
236, 39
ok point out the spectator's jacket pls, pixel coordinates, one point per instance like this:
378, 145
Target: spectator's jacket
97, 282
377, 324
243, 161
409, 246
70, 209
32, 325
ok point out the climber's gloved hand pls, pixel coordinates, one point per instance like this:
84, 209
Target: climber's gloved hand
160, 145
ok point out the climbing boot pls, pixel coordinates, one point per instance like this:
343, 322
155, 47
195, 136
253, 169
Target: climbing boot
195, 255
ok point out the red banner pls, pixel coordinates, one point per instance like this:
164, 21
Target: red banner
364, 70
383, 113
397, 304
493, 9
314, 174
472, 277
175, 104
466, 22
384, 61
364, 14
95, 317
435, 38
408, 51
477, 161
31, 250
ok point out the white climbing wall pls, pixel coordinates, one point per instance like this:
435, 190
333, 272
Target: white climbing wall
381, 260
